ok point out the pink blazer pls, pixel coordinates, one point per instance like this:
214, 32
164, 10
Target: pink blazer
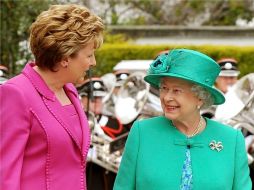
39, 150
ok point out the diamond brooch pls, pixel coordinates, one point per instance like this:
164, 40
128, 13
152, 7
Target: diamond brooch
216, 145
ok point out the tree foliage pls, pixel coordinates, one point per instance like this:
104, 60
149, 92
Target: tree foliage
227, 12
16, 17
178, 12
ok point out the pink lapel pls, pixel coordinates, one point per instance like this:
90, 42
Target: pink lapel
55, 109
73, 95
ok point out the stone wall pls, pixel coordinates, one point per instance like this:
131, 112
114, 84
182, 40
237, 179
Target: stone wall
169, 31
203, 35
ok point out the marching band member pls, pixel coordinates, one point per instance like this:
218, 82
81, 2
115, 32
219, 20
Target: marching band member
108, 127
92, 100
228, 75
183, 150
226, 79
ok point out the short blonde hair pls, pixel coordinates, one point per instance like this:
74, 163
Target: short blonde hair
62, 31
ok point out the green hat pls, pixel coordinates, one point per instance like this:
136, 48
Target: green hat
188, 65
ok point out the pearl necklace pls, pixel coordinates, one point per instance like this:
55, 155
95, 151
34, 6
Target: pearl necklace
197, 129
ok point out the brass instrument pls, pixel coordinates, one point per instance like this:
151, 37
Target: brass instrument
136, 99
238, 110
109, 80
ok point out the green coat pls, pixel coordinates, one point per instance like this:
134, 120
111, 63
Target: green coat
155, 152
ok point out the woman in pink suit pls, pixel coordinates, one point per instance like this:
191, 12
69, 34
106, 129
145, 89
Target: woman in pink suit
44, 131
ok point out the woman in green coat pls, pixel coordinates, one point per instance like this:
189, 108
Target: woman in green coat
182, 150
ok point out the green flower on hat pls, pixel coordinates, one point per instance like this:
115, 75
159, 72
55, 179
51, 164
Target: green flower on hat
165, 61
160, 65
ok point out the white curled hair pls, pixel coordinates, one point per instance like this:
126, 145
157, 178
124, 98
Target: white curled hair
204, 95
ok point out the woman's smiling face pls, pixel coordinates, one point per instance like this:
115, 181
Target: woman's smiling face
177, 100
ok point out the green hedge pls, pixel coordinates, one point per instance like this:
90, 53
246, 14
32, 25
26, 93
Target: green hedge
110, 54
